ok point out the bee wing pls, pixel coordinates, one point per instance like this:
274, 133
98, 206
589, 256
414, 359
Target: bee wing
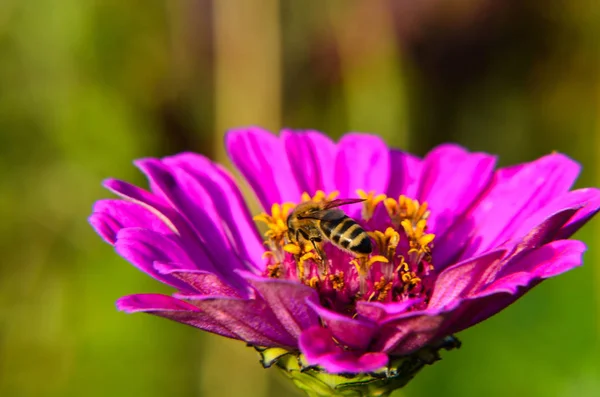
326, 215
340, 202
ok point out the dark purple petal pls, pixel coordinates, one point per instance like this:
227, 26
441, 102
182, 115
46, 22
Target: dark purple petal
409, 333
250, 320
405, 172
173, 309
223, 196
288, 300
202, 282
311, 156
318, 347
362, 162
110, 216
378, 312
353, 333
451, 180
261, 158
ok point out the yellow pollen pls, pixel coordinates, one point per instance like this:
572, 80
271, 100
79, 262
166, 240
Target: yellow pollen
383, 287
274, 270
292, 249
370, 203
337, 280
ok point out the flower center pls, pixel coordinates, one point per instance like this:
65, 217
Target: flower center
316, 244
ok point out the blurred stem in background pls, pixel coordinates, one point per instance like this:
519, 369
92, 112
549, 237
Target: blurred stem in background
247, 66
373, 78
247, 92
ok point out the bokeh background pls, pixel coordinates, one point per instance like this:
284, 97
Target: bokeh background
86, 86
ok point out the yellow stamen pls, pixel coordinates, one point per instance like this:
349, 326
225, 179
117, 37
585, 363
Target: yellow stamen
370, 203
313, 282
276, 222
320, 196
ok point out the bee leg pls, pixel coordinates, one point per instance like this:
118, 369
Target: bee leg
322, 257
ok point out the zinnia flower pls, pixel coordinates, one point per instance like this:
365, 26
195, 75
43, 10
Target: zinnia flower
451, 241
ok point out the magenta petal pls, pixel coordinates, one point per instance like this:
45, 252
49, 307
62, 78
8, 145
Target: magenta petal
202, 282
261, 158
311, 155
147, 200
378, 312
288, 300
110, 216
456, 282
408, 333
143, 247
250, 320
353, 333
191, 199
223, 196
318, 347
173, 309
516, 194
590, 199
547, 261
451, 180
152, 302
362, 162
515, 279
405, 173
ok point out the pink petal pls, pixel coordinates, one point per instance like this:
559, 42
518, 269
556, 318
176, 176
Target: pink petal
311, 155
110, 216
196, 206
143, 247
457, 281
451, 180
516, 194
362, 162
230, 210
405, 173
261, 158
513, 196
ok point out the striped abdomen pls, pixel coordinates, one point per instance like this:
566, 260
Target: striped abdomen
347, 234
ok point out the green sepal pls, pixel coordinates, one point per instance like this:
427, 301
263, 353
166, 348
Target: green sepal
318, 383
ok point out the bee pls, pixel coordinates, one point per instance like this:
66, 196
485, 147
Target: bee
317, 222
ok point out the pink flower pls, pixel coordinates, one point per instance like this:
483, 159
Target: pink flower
453, 241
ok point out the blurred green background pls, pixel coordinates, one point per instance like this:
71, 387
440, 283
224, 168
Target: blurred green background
87, 86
